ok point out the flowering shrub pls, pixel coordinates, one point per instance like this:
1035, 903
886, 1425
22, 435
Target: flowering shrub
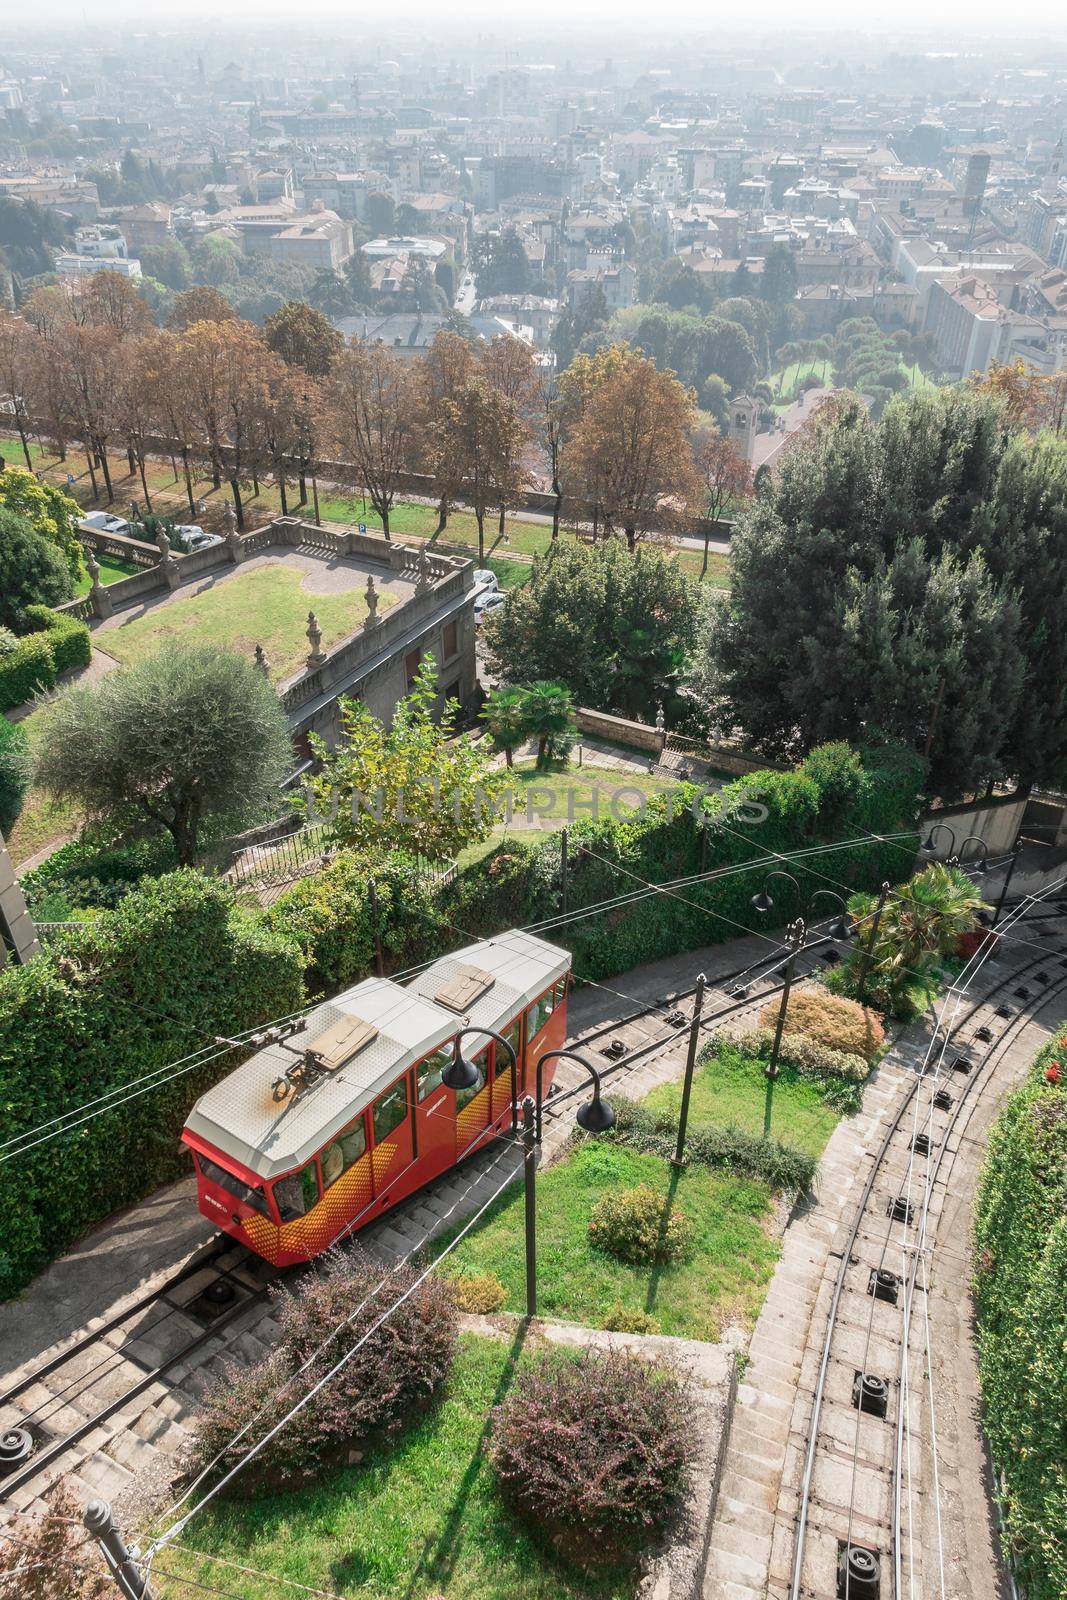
478, 1293
806, 1055
598, 1445
386, 1379
638, 1226
832, 1020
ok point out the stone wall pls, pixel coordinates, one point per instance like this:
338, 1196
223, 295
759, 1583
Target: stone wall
620, 730
995, 821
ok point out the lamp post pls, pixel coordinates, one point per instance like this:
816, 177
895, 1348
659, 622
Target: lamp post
981, 863
463, 1073
840, 932
929, 848
596, 1115
762, 901
795, 939
1015, 853
690, 1063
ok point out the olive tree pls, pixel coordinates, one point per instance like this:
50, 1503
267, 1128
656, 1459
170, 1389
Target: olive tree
190, 733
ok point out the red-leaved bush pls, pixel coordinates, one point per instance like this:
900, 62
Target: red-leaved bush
386, 1380
596, 1448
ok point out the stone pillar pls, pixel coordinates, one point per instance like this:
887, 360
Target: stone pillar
99, 598
317, 655
423, 579
168, 565
234, 543
661, 729
370, 594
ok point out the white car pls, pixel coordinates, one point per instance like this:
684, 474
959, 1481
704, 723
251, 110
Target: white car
105, 522
485, 579
193, 538
487, 603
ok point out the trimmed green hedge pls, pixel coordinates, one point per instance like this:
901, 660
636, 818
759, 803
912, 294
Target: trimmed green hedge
1020, 1288
176, 964
90, 874
14, 771
711, 1144
835, 794
58, 643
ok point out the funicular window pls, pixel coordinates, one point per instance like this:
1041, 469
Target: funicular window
389, 1110
428, 1072
296, 1194
343, 1153
538, 1014
465, 1096
512, 1034
251, 1195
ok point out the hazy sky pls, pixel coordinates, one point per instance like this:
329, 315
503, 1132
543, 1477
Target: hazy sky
879, 17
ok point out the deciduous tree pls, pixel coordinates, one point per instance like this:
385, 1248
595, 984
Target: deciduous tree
725, 478
303, 337
201, 303
374, 418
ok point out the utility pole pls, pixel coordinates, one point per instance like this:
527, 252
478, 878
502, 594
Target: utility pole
690, 1063
120, 1561
1007, 881
563, 868
529, 1178
379, 960
795, 939
868, 954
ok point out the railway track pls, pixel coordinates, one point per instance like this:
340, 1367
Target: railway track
869, 1459
66, 1401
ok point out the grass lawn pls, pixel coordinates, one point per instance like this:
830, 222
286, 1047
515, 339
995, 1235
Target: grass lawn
266, 606
41, 821
722, 1281
111, 569
785, 381
729, 1087
419, 1517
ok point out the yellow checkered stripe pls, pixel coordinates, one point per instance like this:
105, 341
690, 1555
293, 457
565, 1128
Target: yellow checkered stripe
473, 1118
310, 1234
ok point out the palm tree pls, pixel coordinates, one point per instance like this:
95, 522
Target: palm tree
921, 925
504, 714
549, 713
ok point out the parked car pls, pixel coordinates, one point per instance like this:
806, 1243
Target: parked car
485, 579
104, 522
486, 603
191, 537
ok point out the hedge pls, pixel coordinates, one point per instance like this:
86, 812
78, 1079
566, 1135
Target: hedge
176, 964
712, 1144
1020, 1287
836, 793
14, 771
91, 873
58, 643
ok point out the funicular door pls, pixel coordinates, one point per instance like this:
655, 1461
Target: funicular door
474, 1106
501, 1116
391, 1118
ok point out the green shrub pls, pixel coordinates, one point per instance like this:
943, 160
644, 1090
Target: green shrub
837, 1071
172, 967
14, 772
92, 872
328, 916
621, 1320
596, 1449
1020, 1289
27, 671
71, 644
840, 1024
478, 1293
384, 1383
712, 1144
639, 1226
53, 644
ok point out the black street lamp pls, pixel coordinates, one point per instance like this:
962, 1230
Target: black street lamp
841, 931
929, 848
980, 863
463, 1072
763, 901
795, 939
596, 1115
1016, 851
